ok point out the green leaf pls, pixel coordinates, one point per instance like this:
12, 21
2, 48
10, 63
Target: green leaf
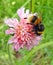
35, 49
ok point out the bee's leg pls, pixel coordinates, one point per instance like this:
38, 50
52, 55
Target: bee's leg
25, 18
30, 23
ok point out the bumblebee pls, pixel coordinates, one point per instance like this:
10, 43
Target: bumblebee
38, 26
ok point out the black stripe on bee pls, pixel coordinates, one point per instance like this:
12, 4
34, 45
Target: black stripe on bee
34, 19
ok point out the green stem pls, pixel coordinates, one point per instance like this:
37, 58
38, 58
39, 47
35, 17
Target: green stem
33, 5
26, 3
25, 58
30, 6
10, 58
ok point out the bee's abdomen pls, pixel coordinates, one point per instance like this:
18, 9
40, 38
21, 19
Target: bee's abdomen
39, 29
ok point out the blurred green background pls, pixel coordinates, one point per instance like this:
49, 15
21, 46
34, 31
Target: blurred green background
43, 56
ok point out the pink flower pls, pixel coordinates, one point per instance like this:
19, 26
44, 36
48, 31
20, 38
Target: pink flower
22, 14
22, 33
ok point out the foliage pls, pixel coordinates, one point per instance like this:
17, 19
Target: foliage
40, 55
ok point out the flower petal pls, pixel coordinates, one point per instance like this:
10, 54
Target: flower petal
12, 39
27, 11
16, 47
37, 40
10, 31
20, 12
11, 22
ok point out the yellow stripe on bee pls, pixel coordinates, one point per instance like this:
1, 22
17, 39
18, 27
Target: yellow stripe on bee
40, 32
